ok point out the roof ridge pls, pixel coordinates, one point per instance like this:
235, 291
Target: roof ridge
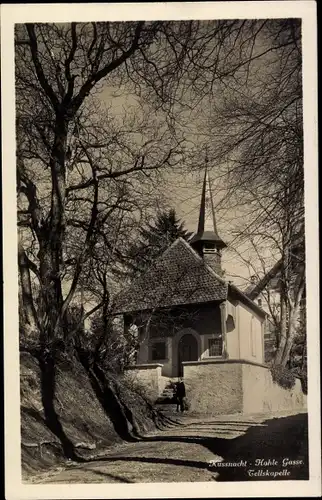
173, 244
205, 285
249, 300
219, 278
187, 244
200, 259
140, 277
206, 265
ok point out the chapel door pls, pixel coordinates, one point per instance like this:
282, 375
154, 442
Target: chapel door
187, 350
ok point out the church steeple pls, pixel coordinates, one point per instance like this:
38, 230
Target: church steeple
206, 241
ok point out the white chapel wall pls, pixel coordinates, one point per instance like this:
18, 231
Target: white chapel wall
204, 346
232, 338
250, 335
259, 327
168, 362
143, 353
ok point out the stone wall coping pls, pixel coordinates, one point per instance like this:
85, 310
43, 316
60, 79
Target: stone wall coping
209, 361
218, 361
144, 366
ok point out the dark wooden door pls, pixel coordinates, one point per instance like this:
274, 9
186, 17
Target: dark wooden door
187, 350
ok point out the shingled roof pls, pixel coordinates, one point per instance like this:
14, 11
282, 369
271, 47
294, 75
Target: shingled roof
178, 277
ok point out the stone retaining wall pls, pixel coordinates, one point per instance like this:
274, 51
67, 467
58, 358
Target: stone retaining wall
261, 393
149, 376
214, 388
237, 386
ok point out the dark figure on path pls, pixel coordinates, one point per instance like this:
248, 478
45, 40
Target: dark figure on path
180, 394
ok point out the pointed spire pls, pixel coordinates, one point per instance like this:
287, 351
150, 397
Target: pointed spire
207, 226
207, 217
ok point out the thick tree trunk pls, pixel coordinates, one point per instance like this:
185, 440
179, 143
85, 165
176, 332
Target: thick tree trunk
58, 220
52, 240
287, 350
287, 339
283, 332
51, 293
292, 331
280, 351
29, 312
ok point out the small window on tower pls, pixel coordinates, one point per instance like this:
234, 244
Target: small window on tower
260, 302
210, 246
215, 347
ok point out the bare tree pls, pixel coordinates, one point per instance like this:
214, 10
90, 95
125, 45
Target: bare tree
258, 127
276, 253
85, 171
72, 160
65, 161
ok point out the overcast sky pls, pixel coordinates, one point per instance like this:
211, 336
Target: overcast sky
182, 189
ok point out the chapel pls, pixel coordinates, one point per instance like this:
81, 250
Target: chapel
186, 312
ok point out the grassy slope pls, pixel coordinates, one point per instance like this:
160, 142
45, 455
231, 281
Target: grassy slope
88, 422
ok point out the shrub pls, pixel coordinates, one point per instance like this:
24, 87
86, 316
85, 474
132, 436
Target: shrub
283, 376
136, 386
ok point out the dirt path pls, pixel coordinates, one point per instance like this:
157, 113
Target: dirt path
184, 452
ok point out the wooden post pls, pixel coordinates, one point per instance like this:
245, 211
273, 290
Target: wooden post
223, 315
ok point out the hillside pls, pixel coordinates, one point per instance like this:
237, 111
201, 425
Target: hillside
74, 413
